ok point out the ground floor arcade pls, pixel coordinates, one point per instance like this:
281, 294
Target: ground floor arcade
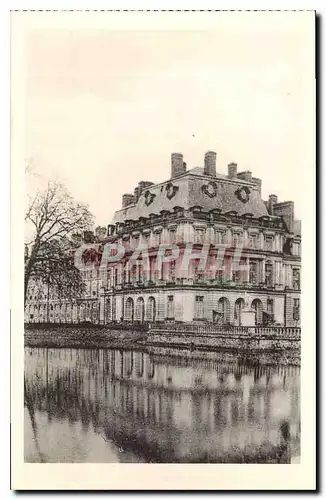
220, 307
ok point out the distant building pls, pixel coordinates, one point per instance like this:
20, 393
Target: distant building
208, 210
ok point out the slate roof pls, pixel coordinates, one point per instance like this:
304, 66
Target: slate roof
195, 189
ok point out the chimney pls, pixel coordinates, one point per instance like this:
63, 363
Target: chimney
232, 170
272, 200
136, 194
258, 183
178, 167
144, 184
127, 199
139, 189
245, 176
210, 164
284, 209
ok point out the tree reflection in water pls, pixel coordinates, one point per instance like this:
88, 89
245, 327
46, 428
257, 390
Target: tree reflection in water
156, 408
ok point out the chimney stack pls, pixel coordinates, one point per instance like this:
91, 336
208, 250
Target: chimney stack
245, 176
127, 199
272, 200
210, 164
232, 170
136, 194
258, 183
178, 166
139, 189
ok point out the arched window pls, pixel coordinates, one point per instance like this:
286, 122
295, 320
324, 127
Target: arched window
238, 307
257, 305
223, 309
151, 309
140, 310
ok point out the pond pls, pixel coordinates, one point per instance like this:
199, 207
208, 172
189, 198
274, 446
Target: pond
102, 405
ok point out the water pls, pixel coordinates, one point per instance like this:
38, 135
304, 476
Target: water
101, 405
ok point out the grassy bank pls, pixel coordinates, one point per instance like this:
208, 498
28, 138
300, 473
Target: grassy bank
81, 336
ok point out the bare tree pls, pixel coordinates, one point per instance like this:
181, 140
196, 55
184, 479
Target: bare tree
54, 216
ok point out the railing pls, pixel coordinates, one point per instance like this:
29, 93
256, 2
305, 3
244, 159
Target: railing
243, 331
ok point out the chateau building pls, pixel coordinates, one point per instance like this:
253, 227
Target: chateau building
212, 246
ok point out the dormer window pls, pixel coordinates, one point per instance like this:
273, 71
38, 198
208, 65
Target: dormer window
253, 241
269, 243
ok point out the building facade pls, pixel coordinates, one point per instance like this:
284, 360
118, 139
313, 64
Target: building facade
200, 246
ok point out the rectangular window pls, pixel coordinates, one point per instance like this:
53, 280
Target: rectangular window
253, 272
253, 241
199, 236
236, 239
199, 307
173, 236
170, 308
238, 274
269, 243
172, 271
296, 279
109, 275
269, 274
296, 309
134, 273
219, 237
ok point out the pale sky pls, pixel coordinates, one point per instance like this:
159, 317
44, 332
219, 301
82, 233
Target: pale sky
105, 108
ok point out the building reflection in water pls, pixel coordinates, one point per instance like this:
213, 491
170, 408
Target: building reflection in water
111, 405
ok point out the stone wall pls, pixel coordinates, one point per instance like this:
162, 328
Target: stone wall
232, 342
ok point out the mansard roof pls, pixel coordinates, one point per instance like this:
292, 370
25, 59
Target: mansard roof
195, 189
